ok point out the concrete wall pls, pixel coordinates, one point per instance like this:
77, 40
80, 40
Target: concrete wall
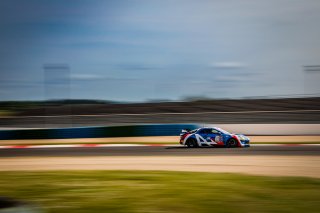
157, 130
272, 129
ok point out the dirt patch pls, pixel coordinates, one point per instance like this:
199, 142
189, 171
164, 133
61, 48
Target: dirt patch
308, 166
150, 139
153, 139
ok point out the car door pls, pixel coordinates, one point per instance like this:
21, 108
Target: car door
214, 136
202, 136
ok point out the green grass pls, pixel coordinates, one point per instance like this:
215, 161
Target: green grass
145, 191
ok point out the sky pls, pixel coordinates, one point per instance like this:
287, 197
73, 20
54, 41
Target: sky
145, 50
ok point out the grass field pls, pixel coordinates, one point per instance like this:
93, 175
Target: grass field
147, 191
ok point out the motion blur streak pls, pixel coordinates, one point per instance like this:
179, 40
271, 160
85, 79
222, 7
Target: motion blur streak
95, 72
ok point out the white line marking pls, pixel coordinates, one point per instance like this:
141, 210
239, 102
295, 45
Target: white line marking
121, 145
52, 146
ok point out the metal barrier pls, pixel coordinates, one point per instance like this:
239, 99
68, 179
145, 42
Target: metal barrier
97, 132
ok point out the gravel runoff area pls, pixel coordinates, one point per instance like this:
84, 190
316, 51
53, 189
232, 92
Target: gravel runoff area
307, 166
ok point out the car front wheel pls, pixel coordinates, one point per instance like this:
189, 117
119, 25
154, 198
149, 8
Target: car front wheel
232, 143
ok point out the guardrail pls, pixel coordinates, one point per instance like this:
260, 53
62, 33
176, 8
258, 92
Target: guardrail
97, 132
155, 130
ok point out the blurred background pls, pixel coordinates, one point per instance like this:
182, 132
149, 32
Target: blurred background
95, 73
137, 57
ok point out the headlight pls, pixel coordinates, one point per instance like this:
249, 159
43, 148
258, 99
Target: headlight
243, 138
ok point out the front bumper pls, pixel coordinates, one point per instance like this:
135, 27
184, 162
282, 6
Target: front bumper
245, 143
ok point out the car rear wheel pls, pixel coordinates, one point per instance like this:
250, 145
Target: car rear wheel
232, 143
192, 143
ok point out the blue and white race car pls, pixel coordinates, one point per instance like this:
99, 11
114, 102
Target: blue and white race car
216, 137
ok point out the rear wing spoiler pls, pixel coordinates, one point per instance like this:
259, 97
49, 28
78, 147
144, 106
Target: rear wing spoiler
184, 131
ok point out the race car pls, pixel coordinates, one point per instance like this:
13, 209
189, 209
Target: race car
217, 137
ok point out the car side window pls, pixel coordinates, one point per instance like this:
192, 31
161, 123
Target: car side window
214, 131
202, 131
208, 131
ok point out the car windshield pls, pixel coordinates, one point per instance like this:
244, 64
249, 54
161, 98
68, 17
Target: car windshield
222, 130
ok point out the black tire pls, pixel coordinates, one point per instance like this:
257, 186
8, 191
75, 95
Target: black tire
192, 143
232, 143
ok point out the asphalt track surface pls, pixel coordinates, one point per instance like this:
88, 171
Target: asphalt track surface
255, 150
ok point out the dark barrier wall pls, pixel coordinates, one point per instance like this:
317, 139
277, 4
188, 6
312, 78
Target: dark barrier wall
97, 132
